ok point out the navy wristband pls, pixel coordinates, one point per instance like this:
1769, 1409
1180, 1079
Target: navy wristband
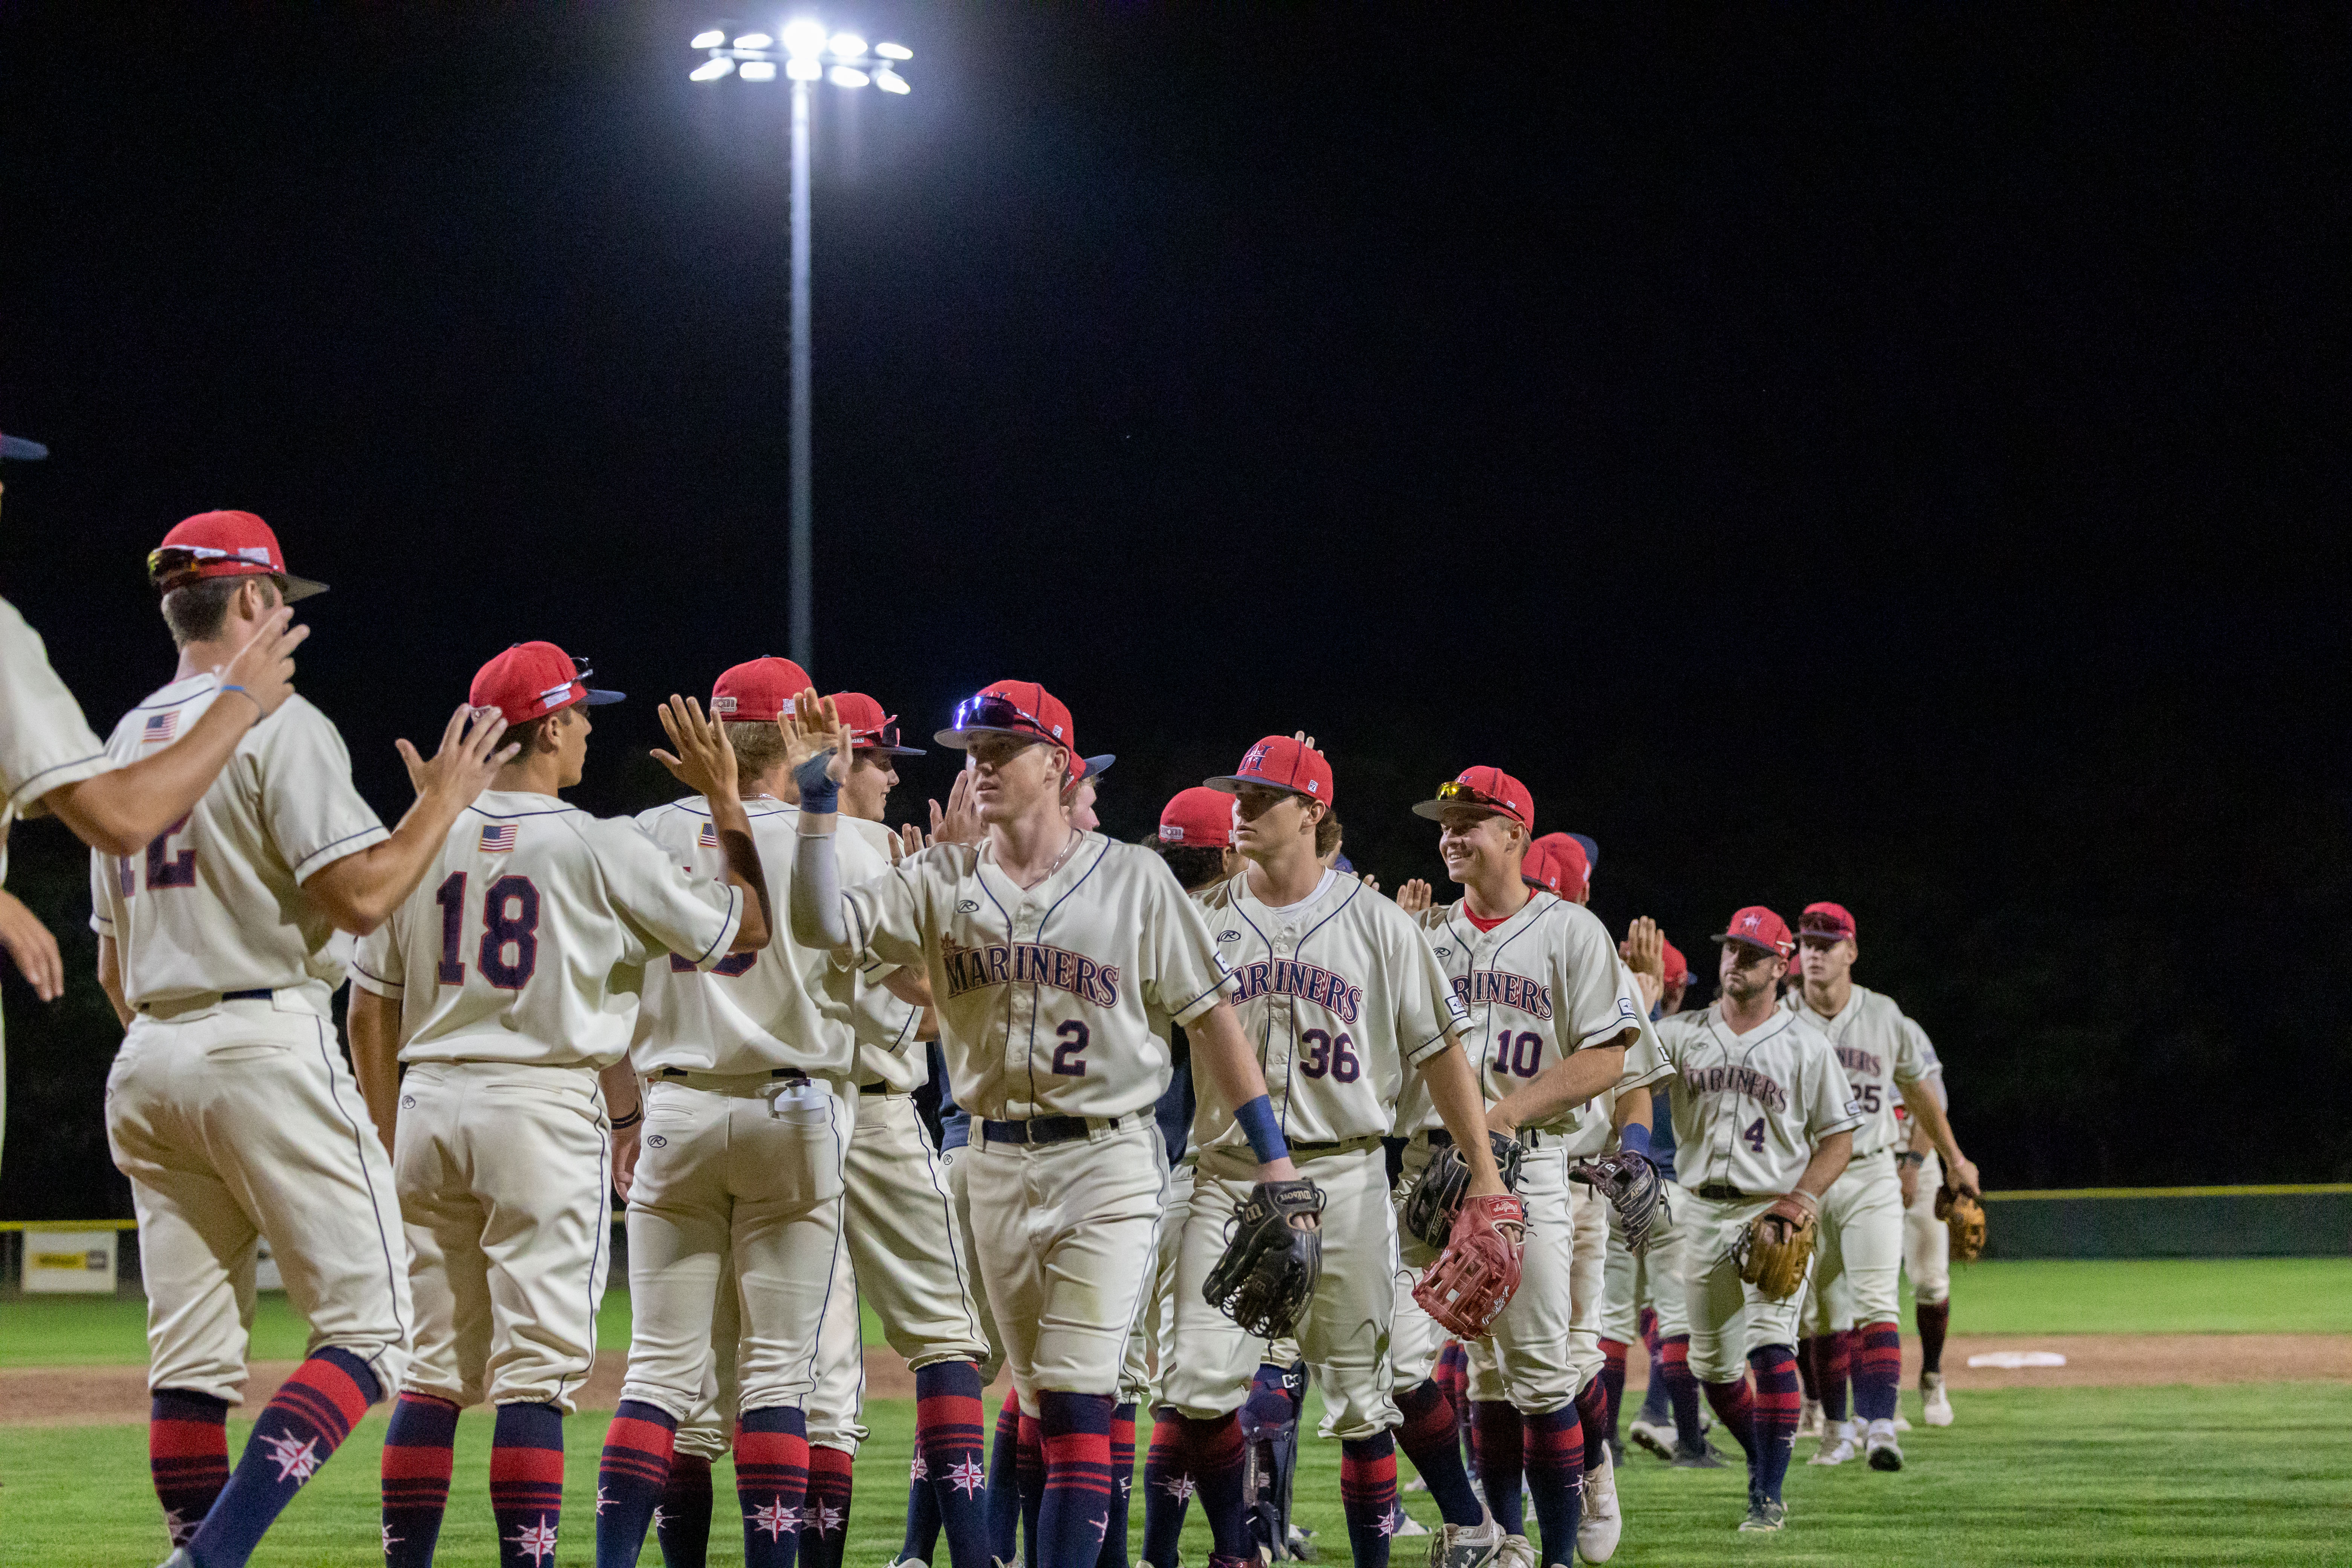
819, 791
1264, 1133
1634, 1139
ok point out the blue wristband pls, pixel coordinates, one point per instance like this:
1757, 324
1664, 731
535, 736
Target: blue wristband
1264, 1133
819, 791
1634, 1139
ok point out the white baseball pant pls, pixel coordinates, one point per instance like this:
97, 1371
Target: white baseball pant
1655, 1278
1728, 1317
1858, 1250
1143, 1372
1528, 1359
1927, 1244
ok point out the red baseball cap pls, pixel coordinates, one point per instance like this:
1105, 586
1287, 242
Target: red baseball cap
759, 692
870, 729
1677, 967
1759, 926
1557, 861
1491, 789
1280, 761
532, 680
223, 544
1830, 921
1201, 818
1019, 707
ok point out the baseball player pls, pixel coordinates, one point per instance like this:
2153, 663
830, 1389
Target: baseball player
220, 944
1058, 960
50, 764
1927, 1242
1861, 1242
1340, 996
1553, 1013
505, 986
1763, 1125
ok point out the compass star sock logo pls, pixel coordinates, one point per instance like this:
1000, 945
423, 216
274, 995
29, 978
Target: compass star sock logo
1215, 1454
1122, 1484
417, 1458
1554, 1448
948, 1411
1166, 1488
771, 1470
527, 1483
1072, 1519
631, 1477
825, 1513
187, 1456
682, 1523
1367, 1496
303, 1423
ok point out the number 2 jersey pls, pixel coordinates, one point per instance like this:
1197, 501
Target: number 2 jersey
1748, 1108
1881, 1059
215, 903
528, 939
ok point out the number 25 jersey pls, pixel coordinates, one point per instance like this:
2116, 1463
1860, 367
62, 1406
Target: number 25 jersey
527, 942
1748, 1108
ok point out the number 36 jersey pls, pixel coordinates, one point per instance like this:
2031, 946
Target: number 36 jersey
528, 939
1881, 1058
1748, 1108
1541, 985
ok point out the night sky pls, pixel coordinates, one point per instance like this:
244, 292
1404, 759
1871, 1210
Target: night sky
1891, 457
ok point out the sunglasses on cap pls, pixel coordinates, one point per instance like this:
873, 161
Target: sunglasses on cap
1453, 792
884, 735
994, 710
179, 560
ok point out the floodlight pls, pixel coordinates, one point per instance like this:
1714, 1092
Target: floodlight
803, 70
894, 51
849, 45
847, 76
709, 40
754, 41
889, 81
805, 37
711, 70
758, 70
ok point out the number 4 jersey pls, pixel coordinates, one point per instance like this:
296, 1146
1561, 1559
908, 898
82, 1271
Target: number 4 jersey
526, 940
215, 904
1748, 1108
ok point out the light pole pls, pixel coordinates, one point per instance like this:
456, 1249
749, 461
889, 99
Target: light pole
808, 54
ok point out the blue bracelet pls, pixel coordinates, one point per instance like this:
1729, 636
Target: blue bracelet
1264, 1134
1634, 1139
820, 792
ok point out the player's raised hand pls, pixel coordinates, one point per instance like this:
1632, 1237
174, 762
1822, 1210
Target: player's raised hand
1413, 898
959, 823
909, 840
29, 941
265, 665
469, 757
1304, 739
1371, 881
705, 759
1643, 949
813, 728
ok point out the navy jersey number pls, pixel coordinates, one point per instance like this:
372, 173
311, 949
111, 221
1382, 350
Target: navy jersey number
509, 920
1074, 1036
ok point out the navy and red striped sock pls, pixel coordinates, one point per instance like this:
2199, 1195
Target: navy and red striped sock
632, 1474
527, 1483
922, 1537
1004, 1481
682, 1522
1368, 1496
1774, 1420
1502, 1460
1593, 1409
1453, 1376
1166, 1488
1734, 1406
948, 1413
187, 1456
1029, 1469
1935, 1321
1074, 1518
1878, 1369
825, 1517
1428, 1430
1808, 1363
304, 1423
1833, 1360
1555, 1464
415, 1475
1613, 1384
1122, 1482
1654, 1406
1214, 1452
771, 1472
1682, 1388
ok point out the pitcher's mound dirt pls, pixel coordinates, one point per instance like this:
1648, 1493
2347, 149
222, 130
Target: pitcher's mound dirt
95, 1395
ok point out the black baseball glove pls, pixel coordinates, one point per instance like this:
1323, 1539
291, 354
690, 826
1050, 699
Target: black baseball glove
1634, 1191
1436, 1197
1267, 1275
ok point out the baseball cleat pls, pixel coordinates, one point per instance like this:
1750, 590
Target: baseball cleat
179, 1559
1808, 1420
1764, 1515
1657, 1437
1466, 1546
1517, 1552
1700, 1456
1300, 1544
909, 1562
1416, 1485
1408, 1526
1932, 1395
1838, 1444
1902, 1422
1601, 1524
1883, 1453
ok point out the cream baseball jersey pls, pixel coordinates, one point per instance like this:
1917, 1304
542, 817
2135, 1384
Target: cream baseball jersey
1749, 1108
1340, 995
1880, 1058
43, 740
783, 1006
1645, 1064
1931, 1070
1541, 985
1055, 1000
528, 939
887, 1050
214, 904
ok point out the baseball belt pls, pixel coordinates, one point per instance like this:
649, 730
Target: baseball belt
1042, 1130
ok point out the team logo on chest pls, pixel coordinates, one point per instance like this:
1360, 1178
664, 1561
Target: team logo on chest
1502, 987
1749, 1083
1028, 963
1853, 1059
1285, 977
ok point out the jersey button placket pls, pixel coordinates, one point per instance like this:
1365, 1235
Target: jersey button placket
1282, 1044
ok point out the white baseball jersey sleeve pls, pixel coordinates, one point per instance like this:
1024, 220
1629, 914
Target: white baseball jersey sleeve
1880, 1057
528, 939
784, 1006
887, 1049
1340, 996
1645, 1064
1055, 1000
1748, 1108
215, 904
1539, 986
43, 740
1931, 1071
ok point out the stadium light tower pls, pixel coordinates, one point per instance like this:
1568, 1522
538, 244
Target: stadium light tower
808, 54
